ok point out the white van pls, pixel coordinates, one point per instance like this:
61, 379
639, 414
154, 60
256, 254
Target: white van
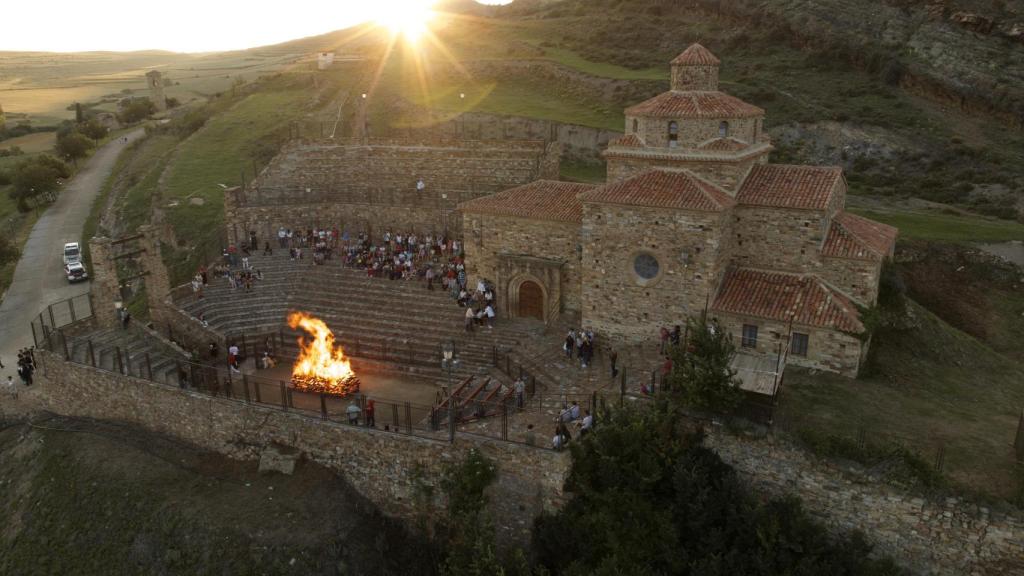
72, 253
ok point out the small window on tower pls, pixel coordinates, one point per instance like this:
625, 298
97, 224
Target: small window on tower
673, 134
723, 129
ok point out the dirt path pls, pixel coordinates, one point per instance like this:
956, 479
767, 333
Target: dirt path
39, 279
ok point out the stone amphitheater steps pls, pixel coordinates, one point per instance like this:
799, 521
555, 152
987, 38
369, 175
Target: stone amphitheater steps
400, 320
132, 346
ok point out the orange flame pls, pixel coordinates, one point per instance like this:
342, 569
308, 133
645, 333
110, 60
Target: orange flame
319, 358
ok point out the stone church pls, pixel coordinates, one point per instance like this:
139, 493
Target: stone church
693, 217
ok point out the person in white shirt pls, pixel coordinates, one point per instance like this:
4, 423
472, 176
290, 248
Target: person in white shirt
420, 185
574, 411
489, 311
588, 423
11, 388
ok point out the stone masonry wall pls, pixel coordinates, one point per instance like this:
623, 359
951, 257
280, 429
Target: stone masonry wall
946, 536
372, 185
693, 132
855, 278
689, 252
487, 236
354, 218
826, 349
382, 466
774, 239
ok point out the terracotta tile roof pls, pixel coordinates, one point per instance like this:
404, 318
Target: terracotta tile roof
663, 189
786, 186
627, 141
723, 145
540, 200
694, 104
777, 296
851, 236
697, 55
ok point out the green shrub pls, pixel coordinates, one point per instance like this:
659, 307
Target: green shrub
649, 498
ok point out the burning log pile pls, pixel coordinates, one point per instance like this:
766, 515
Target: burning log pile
317, 384
321, 365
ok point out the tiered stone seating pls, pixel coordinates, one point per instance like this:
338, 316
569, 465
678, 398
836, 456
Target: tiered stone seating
132, 345
398, 321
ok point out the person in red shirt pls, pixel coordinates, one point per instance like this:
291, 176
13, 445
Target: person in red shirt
369, 414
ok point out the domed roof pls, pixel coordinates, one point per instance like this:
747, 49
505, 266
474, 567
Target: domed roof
696, 55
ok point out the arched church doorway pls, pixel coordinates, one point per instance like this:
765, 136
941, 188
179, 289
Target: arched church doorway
531, 300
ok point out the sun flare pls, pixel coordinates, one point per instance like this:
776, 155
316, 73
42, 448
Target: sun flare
408, 18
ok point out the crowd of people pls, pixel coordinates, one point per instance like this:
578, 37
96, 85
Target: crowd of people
581, 343
26, 365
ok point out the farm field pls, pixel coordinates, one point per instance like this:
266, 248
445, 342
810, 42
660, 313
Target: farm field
45, 86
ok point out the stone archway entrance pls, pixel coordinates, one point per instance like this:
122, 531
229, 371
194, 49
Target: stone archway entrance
531, 300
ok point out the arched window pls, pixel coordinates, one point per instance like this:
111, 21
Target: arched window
673, 134
636, 126
723, 129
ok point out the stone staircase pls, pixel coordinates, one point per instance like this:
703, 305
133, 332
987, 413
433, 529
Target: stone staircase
395, 321
133, 351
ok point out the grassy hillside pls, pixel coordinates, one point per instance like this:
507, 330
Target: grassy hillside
929, 387
96, 499
219, 153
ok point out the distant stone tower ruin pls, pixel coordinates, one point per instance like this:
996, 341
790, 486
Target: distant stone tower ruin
156, 89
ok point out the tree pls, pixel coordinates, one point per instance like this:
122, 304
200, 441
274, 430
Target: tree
74, 146
39, 175
649, 498
702, 374
135, 109
93, 129
471, 549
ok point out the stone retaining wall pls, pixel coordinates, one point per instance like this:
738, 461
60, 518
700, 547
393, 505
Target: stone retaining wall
371, 185
929, 536
385, 467
944, 536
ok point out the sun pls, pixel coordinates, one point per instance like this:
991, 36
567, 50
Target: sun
408, 18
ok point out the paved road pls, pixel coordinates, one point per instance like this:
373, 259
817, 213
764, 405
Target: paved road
39, 280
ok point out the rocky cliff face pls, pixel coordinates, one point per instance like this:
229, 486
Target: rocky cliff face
963, 53
967, 54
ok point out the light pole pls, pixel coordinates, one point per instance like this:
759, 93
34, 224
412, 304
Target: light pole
449, 363
448, 360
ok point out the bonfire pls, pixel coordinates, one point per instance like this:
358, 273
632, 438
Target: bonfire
321, 365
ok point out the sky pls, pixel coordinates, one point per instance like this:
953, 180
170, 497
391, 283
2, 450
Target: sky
182, 25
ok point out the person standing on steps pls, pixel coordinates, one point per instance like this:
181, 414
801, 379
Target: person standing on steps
570, 342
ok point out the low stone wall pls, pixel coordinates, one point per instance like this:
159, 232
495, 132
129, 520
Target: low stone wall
175, 324
385, 467
946, 536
